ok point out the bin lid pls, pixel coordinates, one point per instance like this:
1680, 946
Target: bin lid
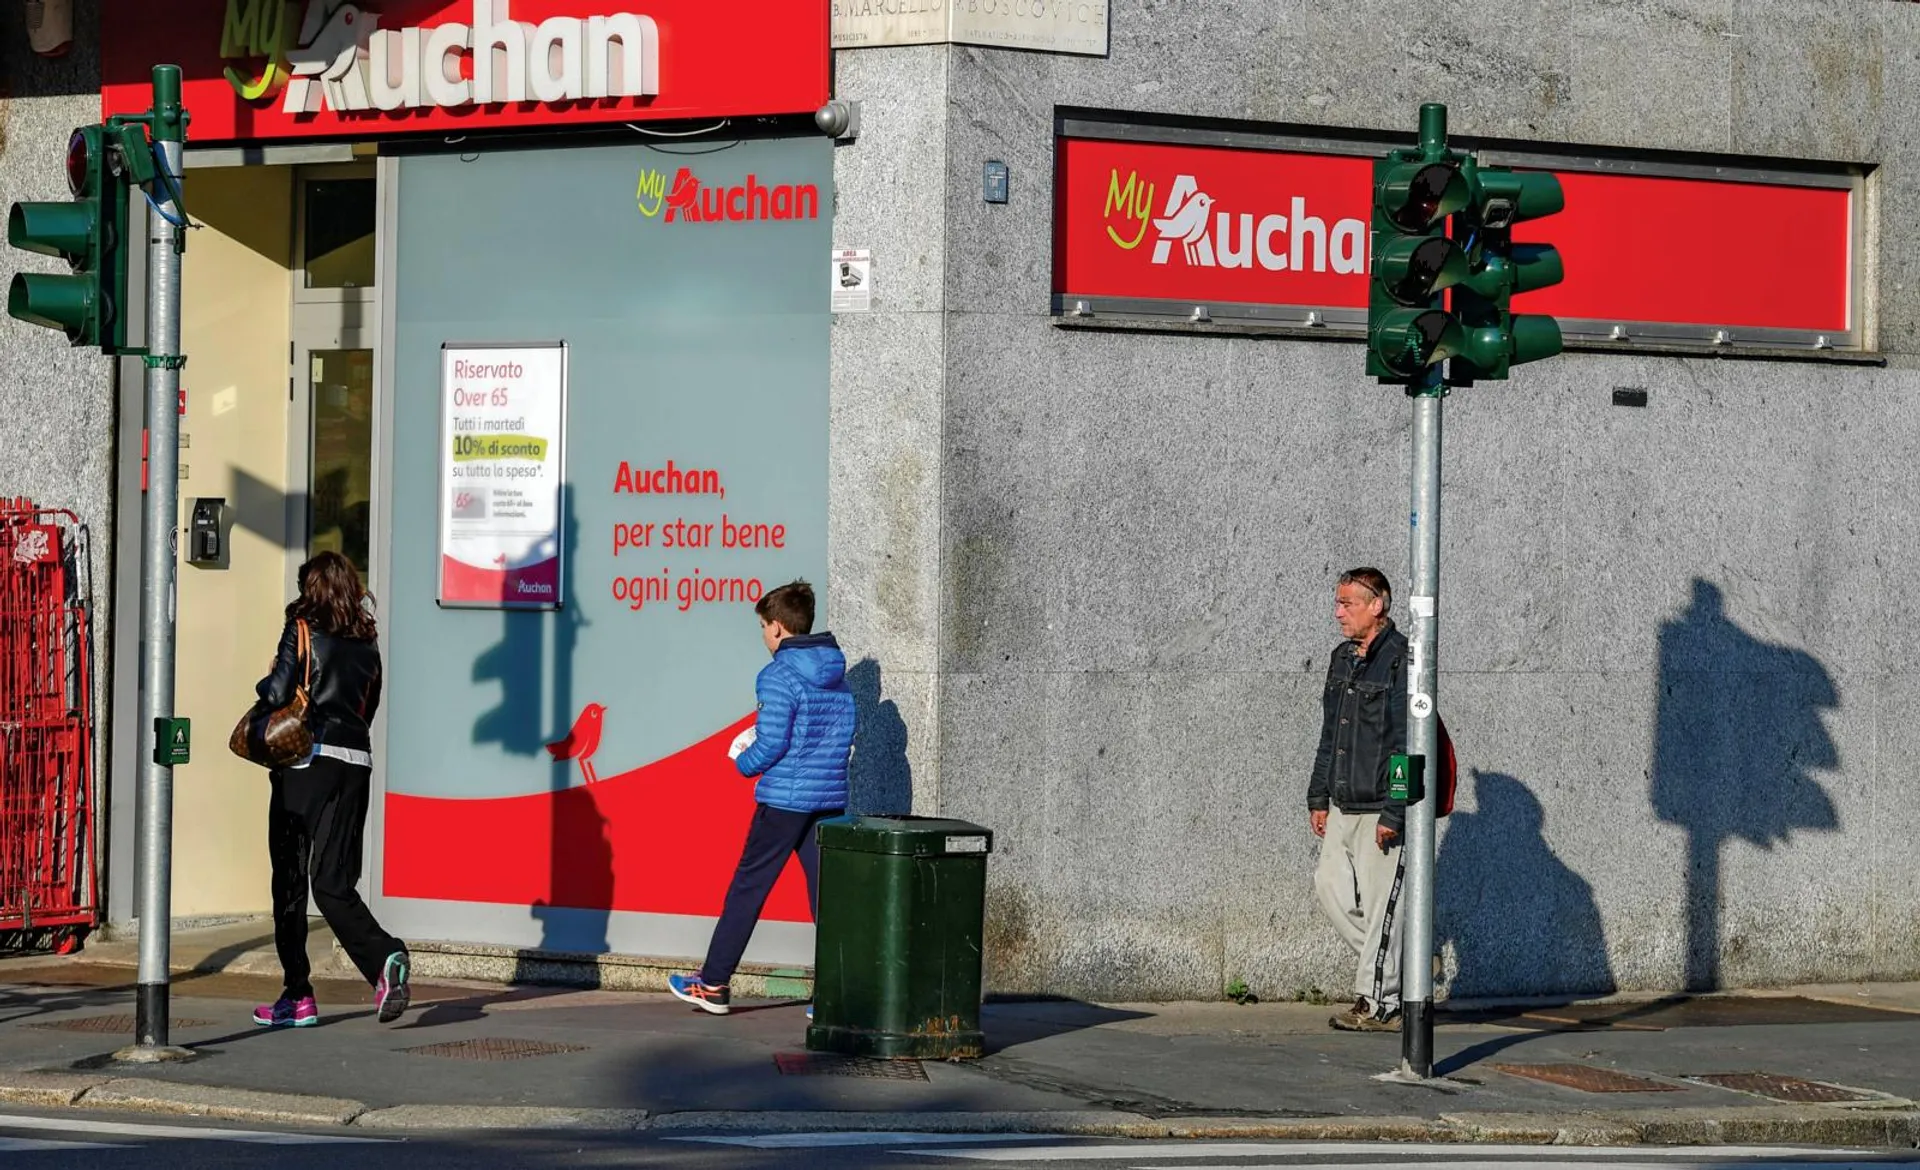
906, 836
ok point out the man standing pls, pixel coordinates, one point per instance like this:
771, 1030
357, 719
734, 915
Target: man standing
1363, 724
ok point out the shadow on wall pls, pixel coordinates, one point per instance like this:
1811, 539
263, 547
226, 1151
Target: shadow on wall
533, 663
879, 776
1737, 736
1520, 921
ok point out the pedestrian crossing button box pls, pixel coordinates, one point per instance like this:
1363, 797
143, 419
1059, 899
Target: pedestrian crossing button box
206, 539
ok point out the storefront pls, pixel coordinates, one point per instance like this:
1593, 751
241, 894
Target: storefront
523, 307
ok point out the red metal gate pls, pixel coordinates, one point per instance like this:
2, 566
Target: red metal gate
47, 881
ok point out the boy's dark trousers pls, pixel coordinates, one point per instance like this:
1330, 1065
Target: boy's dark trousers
775, 835
316, 818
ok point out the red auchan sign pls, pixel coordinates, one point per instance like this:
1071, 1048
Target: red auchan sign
266, 69
1213, 226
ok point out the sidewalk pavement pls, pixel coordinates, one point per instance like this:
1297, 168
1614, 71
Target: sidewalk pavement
476, 1055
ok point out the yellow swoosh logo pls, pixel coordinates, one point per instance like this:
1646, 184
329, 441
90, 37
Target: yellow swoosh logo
1118, 239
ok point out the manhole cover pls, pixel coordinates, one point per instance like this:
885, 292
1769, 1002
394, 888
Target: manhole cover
113, 1024
1779, 1088
1586, 1078
493, 1048
818, 1064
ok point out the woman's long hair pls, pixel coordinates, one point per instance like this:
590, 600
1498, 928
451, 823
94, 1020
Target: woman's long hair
333, 600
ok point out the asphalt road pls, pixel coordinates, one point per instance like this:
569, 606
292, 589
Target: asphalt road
29, 1140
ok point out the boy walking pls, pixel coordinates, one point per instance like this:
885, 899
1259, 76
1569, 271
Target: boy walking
799, 747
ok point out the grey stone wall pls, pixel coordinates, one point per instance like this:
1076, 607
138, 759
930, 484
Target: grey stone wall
57, 446
1672, 646
58, 440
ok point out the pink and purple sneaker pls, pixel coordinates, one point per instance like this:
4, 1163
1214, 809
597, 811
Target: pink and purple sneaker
288, 1013
391, 993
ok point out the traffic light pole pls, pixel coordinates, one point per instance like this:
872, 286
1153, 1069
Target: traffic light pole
1416, 944
158, 569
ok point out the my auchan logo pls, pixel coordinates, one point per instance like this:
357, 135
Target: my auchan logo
336, 57
688, 200
1190, 227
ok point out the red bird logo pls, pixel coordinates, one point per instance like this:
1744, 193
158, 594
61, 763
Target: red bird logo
582, 741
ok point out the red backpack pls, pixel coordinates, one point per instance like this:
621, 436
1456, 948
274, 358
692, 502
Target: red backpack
1447, 774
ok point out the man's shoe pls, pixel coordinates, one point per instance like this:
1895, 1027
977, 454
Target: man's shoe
288, 1013
390, 994
1364, 1017
701, 994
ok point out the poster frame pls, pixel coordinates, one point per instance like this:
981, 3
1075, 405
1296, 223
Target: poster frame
560, 488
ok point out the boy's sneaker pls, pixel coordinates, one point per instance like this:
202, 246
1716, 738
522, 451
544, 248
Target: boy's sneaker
700, 993
809, 1011
390, 994
288, 1013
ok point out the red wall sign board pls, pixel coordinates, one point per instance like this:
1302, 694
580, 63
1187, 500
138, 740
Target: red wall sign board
1207, 225
277, 69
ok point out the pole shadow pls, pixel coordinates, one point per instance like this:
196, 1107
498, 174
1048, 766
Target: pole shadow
879, 777
533, 664
1737, 737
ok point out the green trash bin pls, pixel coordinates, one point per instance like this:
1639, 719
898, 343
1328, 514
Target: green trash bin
897, 951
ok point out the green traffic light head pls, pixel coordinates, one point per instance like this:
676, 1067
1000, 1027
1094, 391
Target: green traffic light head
66, 230
1416, 196
66, 303
1536, 266
89, 233
1503, 198
1407, 341
1534, 336
1411, 269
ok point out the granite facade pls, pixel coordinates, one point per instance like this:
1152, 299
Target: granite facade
1670, 648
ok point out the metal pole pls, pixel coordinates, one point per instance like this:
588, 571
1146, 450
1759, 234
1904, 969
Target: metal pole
1416, 955
160, 541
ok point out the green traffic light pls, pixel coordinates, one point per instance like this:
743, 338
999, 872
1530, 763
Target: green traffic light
1504, 198
1411, 269
1533, 336
1536, 266
66, 230
90, 234
66, 303
1408, 341
1416, 196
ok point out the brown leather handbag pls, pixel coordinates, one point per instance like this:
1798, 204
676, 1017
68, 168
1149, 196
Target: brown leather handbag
276, 737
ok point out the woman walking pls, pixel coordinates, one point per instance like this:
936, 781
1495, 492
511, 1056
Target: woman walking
318, 810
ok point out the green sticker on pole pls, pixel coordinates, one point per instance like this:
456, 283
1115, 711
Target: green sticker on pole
172, 742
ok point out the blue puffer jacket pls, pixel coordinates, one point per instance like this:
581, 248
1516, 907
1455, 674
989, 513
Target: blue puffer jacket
805, 731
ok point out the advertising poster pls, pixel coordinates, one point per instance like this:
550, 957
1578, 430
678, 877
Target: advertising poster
502, 410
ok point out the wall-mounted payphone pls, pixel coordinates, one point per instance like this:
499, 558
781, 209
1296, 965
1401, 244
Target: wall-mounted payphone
206, 536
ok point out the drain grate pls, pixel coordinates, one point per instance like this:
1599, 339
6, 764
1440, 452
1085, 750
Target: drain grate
494, 1048
1587, 1079
1778, 1088
102, 1024
818, 1064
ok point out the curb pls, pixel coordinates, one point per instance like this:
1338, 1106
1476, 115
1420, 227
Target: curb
1812, 1125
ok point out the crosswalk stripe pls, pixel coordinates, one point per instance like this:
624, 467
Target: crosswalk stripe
178, 1132
1617, 1157
16, 1145
832, 1139
1568, 1158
